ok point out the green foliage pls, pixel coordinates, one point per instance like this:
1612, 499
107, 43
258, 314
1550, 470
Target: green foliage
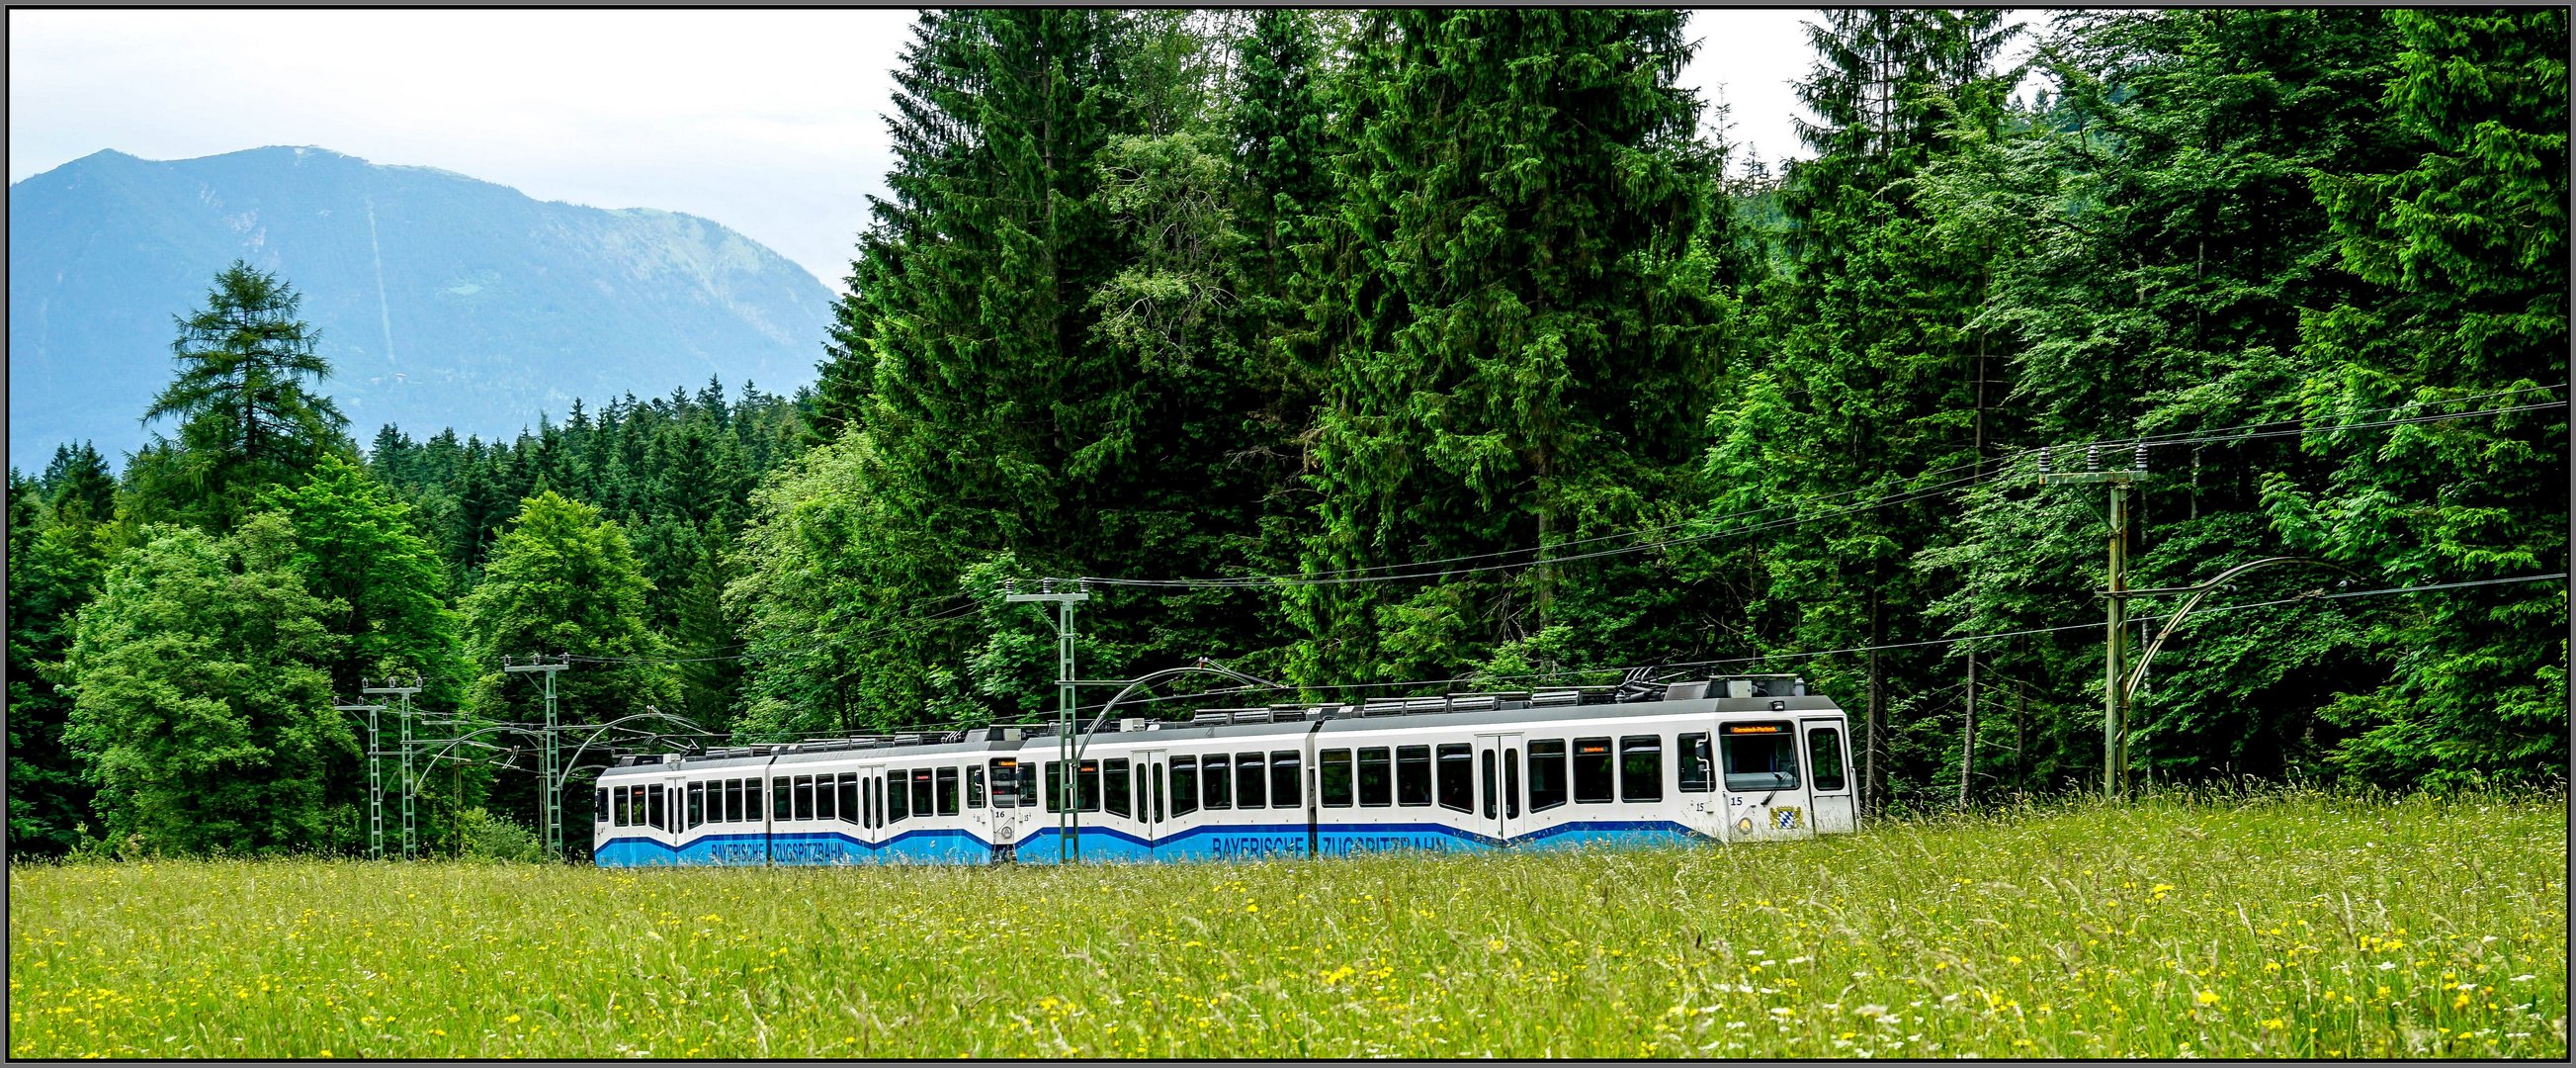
563, 580
56, 561
487, 837
1187, 294
247, 415
1518, 325
77, 486
201, 707
2467, 249
359, 546
1868, 384
1046, 322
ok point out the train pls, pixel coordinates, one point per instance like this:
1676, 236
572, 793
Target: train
1739, 759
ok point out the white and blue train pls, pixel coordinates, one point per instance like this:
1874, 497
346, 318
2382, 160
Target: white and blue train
1738, 759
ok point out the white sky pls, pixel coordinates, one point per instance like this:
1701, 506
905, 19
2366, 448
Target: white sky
765, 121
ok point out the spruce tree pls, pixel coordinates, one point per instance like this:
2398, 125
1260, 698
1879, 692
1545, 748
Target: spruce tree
1518, 343
243, 394
1868, 364
56, 561
2468, 244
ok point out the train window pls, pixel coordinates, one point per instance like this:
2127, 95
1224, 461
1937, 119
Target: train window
1086, 786
1759, 756
1158, 794
697, 803
1692, 763
1185, 785
1458, 777
780, 789
1546, 774
617, 806
947, 792
1591, 770
922, 786
1114, 783
732, 801
1026, 776
1284, 787
898, 795
1413, 775
1006, 789
1248, 781
599, 809
659, 819
1825, 758
751, 809
1377, 779
1335, 776
826, 799
849, 795
1491, 810
1054, 786
1641, 767
974, 786
1216, 782
804, 797
1512, 783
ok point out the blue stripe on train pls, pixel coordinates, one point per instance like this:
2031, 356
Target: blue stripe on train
952, 846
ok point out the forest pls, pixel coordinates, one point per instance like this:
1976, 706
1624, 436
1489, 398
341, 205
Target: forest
1404, 351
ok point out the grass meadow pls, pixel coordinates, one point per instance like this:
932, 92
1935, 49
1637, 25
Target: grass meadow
2264, 925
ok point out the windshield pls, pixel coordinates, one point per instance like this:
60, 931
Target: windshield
1767, 760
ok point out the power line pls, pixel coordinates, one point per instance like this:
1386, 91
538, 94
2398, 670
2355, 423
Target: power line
2341, 595
1674, 666
1432, 568
868, 633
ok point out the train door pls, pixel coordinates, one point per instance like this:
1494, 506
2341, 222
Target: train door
1766, 796
975, 807
1154, 803
869, 816
671, 816
1829, 785
1009, 819
1500, 796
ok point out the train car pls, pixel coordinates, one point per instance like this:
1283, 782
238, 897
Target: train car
1733, 760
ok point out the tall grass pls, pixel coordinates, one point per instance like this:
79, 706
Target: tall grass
2287, 924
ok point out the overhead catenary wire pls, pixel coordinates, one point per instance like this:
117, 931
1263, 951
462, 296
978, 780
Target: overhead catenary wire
2001, 467
1668, 668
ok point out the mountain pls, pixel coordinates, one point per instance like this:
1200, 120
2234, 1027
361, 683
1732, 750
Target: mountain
442, 300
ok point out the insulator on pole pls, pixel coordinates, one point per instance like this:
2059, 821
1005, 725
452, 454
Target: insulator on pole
2141, 463
2093, 457
2043, 459
1046, 585
1010, 587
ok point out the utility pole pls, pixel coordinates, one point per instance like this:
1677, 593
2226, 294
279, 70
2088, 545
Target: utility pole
1068, 776
2115, 696
410, 828
551, 809
375, 780
1968, 731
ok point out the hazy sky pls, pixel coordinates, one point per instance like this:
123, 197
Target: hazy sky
765, 121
